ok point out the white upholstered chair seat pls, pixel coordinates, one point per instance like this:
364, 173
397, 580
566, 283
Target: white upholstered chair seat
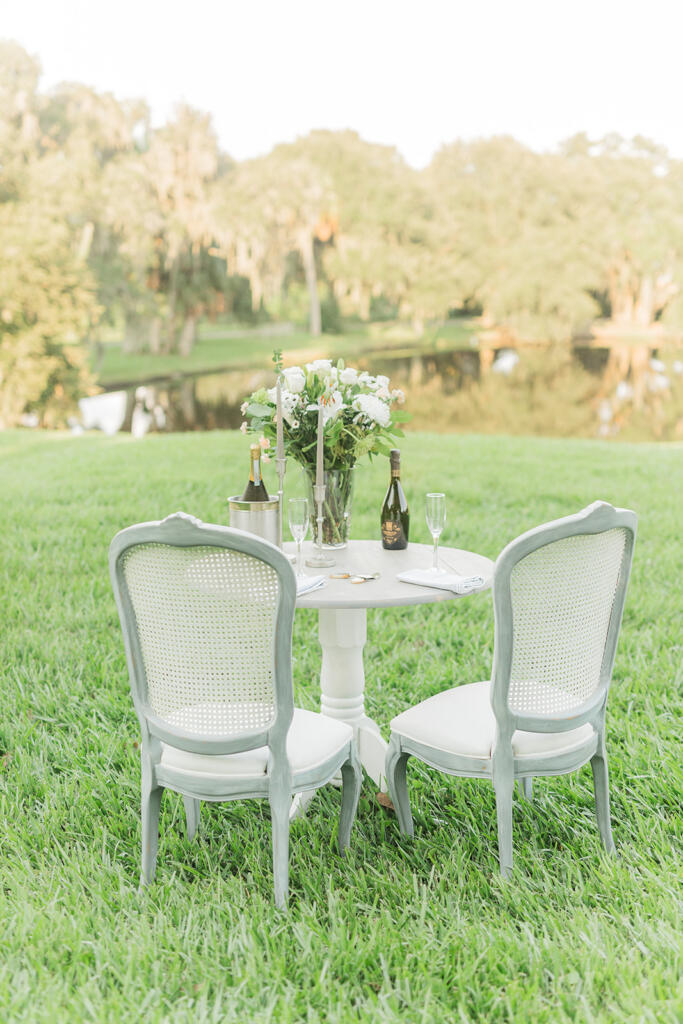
312, 739
461, 721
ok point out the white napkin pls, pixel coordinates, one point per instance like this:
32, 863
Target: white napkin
304, 584
442, 580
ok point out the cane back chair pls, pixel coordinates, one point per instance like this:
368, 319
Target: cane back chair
207, 615
558, 594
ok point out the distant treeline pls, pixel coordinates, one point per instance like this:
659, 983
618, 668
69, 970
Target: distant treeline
106, 222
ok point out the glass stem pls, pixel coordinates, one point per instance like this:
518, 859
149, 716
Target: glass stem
435, 561
299, 566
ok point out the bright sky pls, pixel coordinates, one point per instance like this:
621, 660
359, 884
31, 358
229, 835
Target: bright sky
411, 74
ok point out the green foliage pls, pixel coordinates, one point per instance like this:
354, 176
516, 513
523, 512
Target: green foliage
396, 931
156, 229
47, 293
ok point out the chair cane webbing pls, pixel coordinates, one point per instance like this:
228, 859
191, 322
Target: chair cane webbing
562, 596
205, 619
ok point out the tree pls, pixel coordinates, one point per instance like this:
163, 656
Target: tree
630, 211
510, 217
272, 206
47, 294
158, 204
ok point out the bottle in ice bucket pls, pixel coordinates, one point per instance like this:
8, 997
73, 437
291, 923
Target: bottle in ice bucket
255, 489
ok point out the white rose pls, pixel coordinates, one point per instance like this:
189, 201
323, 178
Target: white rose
323, 367
295, 379
382, 381
383, 393
348, 376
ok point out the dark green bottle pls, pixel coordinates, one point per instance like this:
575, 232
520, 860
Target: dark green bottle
395, 516
255, 489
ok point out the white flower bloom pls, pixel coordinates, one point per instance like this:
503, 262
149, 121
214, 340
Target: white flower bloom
366, 380
398, 395
289, 404
323, 367
348, 376
373, 408
295, 379
243, 407
382, 381
243, 426
332, 406
383, 393
272, 395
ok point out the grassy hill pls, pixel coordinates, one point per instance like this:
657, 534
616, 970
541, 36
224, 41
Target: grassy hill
416, 931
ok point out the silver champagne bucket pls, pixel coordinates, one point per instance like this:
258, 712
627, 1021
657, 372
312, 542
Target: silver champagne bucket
259, 517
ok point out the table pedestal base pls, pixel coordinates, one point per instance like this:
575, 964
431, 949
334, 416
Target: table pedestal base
343, 632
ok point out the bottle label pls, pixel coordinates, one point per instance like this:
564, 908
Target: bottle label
391, 532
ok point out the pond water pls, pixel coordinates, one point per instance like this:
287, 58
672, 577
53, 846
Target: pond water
562, 391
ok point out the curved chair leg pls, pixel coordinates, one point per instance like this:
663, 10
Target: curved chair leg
601, 787
352, 777
503, 787
395, 771
192, 814
279, 814
151, 805
526, 787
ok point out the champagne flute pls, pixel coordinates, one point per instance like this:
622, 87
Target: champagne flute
298, 524
435, 514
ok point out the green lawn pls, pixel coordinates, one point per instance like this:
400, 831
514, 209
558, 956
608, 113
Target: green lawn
420, 931
217, 349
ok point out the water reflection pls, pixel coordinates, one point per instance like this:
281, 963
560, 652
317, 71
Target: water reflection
583, 391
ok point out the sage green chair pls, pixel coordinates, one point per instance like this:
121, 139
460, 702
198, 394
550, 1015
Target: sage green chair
207, 616
558, 595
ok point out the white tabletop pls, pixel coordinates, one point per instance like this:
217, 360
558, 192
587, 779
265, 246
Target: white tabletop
386, 592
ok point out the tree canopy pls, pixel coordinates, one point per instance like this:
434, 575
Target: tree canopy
106, 222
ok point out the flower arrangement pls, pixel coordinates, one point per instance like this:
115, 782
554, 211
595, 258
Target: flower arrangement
358, 418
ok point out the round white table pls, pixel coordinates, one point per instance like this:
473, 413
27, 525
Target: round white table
342, 625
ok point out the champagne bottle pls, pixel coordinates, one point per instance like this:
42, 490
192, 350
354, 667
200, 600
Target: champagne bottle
255, 489
395, 515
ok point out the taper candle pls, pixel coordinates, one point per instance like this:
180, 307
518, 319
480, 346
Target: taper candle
319, 478
280, 445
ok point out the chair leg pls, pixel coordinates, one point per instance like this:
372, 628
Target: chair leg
526, 787
279, 814
395, 771
352, 777
151, 805
504, 787
192, 814
601, 787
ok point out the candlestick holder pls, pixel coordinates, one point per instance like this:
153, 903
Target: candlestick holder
319, 560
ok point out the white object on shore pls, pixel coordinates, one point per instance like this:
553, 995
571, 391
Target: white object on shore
442, 580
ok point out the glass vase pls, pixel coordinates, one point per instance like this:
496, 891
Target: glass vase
336, 506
